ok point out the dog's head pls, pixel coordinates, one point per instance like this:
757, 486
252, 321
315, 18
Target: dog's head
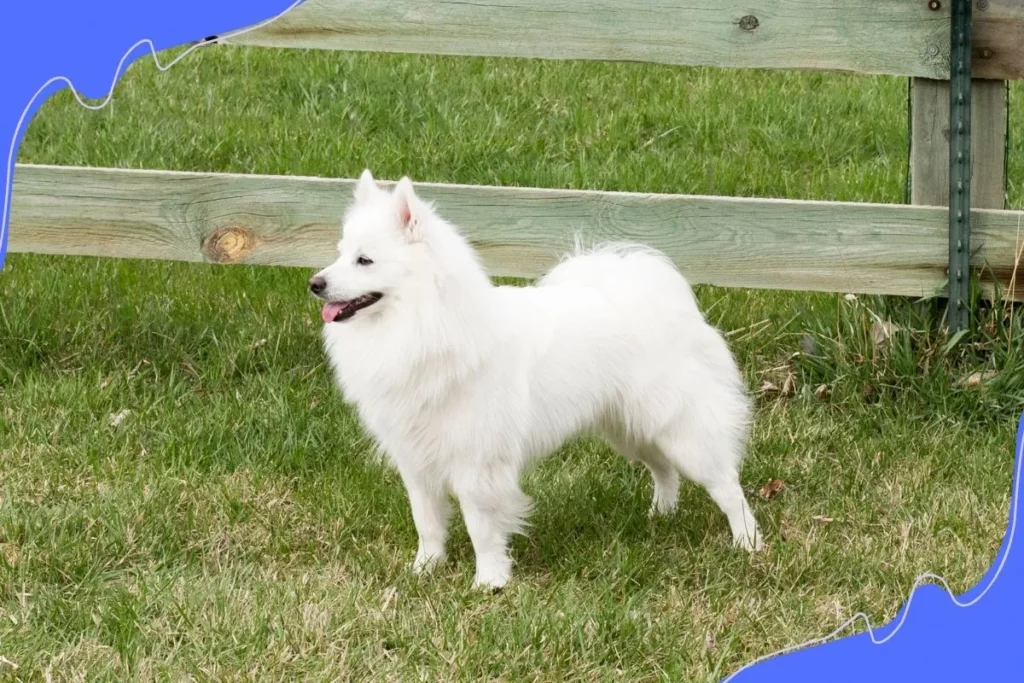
381, 253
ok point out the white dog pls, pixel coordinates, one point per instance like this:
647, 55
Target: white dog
463, 383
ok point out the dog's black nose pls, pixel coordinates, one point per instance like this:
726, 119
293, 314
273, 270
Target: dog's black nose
317, 284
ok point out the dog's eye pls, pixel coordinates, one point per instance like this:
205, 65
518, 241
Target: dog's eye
363, 261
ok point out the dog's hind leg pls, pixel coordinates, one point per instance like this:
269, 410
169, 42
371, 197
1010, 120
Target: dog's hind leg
704, 461
728, 494
663, 473
430, 512
666, 481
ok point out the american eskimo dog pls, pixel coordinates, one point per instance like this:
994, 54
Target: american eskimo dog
464, 383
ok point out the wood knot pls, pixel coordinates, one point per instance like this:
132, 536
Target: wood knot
229, 244
749, 22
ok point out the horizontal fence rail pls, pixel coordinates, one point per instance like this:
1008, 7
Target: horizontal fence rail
519, 232
897, 37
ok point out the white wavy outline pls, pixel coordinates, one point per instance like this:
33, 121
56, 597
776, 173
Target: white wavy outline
921, 580
9, 186
918, 582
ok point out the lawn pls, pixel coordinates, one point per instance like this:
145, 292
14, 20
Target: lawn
234, 525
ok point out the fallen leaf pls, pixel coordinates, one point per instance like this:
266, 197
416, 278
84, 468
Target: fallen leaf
822, 392
976, 378
823, 519
771, 488
882, 331
115, 419
789, 386
769, 388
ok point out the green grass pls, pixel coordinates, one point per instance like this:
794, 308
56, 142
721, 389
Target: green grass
234, 525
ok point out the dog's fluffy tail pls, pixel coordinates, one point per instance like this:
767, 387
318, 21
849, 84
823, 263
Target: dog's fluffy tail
626, 271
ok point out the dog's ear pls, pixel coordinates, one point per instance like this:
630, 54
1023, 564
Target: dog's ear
366, 187
410, 209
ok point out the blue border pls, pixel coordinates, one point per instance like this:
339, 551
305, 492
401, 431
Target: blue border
46, 47
87, 46
935, 636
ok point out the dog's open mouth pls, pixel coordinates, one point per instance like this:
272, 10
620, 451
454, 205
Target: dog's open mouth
336, 311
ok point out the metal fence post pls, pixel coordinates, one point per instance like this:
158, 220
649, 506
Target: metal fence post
960, 166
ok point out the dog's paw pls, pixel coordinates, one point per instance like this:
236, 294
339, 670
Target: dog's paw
489, 585
493, 577
490, 590
660, 510
424, 563
750, 545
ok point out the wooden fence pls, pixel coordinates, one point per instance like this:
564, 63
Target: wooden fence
763, 243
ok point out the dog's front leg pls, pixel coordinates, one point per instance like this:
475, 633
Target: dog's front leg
430, 512
492, 514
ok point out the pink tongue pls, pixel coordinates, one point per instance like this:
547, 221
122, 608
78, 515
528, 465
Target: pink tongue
331, 310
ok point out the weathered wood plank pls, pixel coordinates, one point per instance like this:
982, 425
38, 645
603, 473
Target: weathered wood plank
997, 44
929, 143
900, 37
294, 221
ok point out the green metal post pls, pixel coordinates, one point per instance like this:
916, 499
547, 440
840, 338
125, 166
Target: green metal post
960, 166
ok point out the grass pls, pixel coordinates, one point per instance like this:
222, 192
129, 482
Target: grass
233, 525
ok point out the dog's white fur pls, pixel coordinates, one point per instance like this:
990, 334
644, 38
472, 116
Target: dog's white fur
464, 383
